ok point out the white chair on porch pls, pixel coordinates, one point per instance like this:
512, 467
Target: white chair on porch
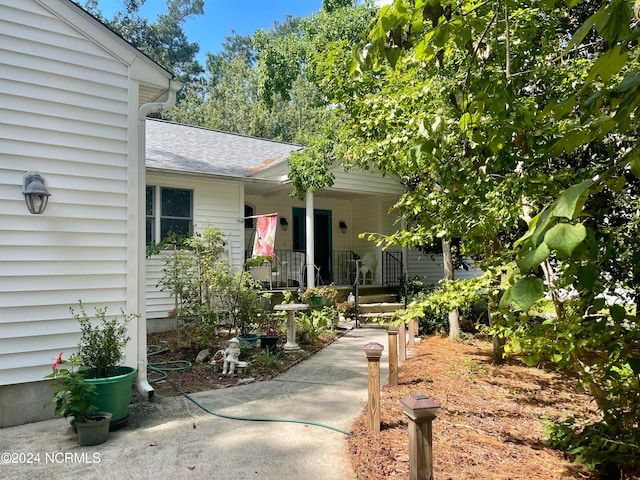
297, 266
369, 264
279, 272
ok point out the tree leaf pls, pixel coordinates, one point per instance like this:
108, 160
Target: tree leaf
614, 24
565, 237
527, 291
635, 166
534, 258
609, 63
584, 29
571, 201
505, 300
587, 276
618, 313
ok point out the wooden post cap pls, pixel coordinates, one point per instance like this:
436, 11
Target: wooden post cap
419, 407
373, 350
393, 329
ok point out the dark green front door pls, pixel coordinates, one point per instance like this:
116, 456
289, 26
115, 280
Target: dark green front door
322, 239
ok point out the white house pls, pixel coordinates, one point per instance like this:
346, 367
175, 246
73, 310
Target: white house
73, 98
206, 177
225, 177
73, 102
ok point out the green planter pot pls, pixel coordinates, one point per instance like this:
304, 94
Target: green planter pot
249, 342
114, 394
318, 301
94, 431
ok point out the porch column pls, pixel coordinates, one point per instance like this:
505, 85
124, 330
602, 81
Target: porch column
310, 243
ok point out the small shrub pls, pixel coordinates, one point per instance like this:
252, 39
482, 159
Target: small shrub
599, 446
316, 322
265, 363
101, 346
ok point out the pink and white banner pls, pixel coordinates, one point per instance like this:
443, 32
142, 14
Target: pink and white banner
265, 235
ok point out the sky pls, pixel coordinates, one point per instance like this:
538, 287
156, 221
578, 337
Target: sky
221, 16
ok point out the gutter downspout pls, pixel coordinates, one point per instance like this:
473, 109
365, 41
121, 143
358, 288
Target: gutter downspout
154, 107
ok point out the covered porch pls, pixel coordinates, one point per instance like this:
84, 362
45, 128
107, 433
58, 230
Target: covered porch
324, 247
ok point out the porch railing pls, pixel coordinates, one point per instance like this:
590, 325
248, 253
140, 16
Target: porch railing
289, 269
392, 269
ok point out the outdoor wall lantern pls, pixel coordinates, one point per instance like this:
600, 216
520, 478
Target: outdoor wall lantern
35, 193
284, 224
343, 226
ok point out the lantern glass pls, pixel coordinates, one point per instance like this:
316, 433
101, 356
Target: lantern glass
36, 195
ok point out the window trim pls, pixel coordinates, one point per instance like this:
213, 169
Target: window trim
157, 210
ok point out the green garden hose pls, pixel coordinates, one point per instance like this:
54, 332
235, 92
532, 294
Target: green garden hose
161, 368
257, 419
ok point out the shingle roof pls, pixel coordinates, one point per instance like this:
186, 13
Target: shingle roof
185, 148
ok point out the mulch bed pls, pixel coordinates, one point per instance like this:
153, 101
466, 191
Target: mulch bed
490, 424
175, 348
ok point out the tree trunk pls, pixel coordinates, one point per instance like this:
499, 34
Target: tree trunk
497, 355
454, 316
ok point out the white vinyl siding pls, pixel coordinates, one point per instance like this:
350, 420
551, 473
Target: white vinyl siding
63, 112
430, 267
365, 181
215, 203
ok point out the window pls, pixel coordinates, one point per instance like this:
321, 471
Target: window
248, 212
150, 215
175, 206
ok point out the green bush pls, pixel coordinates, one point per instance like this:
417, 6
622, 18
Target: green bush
599, 446
101, 346
316, 322
265, 363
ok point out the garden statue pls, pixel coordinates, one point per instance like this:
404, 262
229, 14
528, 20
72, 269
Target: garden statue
231, 356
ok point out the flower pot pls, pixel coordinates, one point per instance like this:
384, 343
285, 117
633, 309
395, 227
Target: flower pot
114, 394
95, 430
269, 343
248, 342
261, 273
318, 301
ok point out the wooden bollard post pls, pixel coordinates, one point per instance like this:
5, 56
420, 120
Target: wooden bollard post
392, 332
421, 411
412, 332
373, 351
402, 341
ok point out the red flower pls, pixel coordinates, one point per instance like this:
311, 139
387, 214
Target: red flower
57, 362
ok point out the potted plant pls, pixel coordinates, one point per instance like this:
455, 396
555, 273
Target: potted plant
75, 397
238, 294
319, 297
100, 351
260, 267
269, 325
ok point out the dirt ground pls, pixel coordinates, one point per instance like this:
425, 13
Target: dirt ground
170, 351
490, 424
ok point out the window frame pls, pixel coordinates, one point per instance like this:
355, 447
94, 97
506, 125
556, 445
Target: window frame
155, 218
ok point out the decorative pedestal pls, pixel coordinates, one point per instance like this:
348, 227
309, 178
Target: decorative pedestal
291, 309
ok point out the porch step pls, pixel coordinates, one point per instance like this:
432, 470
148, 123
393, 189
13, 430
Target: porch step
380, 307
377, 298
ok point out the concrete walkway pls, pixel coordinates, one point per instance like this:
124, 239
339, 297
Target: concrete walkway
173, 438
